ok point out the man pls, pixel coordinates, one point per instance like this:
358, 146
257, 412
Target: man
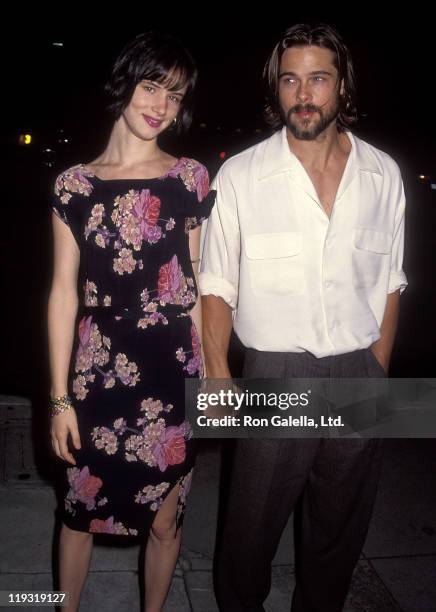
304, 251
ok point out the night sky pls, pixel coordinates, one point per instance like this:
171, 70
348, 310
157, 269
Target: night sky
60, 87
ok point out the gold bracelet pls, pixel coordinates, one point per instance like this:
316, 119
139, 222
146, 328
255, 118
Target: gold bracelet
59, 404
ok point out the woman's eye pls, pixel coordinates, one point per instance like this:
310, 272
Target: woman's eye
148, 88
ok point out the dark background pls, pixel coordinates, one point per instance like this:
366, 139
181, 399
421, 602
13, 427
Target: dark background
55, 94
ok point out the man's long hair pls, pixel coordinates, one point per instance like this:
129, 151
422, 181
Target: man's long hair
319, 35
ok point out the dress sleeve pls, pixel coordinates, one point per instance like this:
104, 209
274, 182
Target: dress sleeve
65, 199
201, 197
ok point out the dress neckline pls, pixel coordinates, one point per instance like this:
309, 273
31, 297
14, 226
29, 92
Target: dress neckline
112, 180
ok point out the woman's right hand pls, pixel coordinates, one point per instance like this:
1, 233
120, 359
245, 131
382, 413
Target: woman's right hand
61, 425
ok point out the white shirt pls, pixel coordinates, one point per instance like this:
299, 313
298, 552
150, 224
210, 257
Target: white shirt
296, 280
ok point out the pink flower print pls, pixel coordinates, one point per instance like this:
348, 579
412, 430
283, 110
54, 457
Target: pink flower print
154, 233
152, 495
169, 280
152, 408
146, 210
84, 487
120, 425
74, 180
125, 262
99, 526
196, 347
193, 174
184, 488
105, 439
79, 182
84, 336
175, 170
92, 354
127, 371
85, 330
91, 298
196, 362
170, 448
201, 178
110, 526
181, 355
186, 430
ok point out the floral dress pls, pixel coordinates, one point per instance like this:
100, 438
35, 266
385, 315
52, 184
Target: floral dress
135, 343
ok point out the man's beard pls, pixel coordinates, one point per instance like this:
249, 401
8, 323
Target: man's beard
316, 128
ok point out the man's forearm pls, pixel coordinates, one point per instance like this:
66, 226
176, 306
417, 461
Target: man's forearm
217, 327
382, 349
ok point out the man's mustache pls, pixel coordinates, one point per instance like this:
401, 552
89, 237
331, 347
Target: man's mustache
301, 108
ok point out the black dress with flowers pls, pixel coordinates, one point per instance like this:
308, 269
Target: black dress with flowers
135, 343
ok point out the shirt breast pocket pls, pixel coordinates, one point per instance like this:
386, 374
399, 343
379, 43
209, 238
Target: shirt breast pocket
275, 263
371, 256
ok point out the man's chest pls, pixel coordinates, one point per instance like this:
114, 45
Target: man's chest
326, 186
289, 204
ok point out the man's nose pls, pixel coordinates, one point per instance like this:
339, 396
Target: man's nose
303, 93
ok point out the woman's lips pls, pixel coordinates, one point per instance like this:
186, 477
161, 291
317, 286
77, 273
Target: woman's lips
155, 123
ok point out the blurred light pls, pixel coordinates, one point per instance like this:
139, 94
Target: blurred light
258, 131
58, 44
48, 157
433, 186
218, 127
238, 130
422, 177
25, 139
203, 126
222, 154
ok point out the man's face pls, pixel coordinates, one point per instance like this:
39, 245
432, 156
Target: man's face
308, 90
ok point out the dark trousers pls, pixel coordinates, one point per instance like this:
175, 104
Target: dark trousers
330, 483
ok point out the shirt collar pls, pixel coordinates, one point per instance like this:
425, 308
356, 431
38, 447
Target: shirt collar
278, 157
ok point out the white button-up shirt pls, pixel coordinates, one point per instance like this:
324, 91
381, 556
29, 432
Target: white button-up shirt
297, 280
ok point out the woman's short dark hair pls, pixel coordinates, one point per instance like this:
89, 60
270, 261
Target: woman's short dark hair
319, 35
155, 57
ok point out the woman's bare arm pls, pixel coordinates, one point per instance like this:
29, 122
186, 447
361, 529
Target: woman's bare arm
62, 312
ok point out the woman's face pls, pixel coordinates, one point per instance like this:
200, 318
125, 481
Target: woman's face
152, 108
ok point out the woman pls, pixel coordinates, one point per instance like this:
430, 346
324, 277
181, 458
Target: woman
131, 219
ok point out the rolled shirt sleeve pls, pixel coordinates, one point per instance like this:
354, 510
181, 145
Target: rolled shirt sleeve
397, 277
220, 244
